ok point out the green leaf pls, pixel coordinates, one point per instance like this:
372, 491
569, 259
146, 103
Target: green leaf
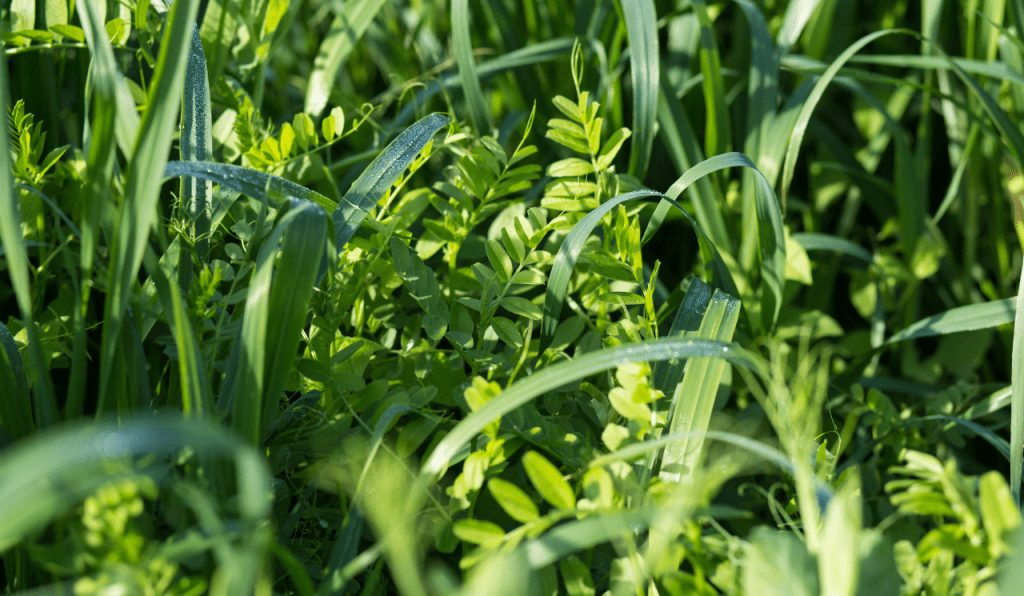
961, 318
576, 143
70, 31
777, 564
571, 167
516, 503
507, 331
499, 259
476, 531
514, 245
548, 481
522, 307
611, 148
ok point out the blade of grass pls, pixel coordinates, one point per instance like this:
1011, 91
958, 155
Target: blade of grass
804, 116
684, 151
106, 124
718, 128
142, 182
196, 146
348, 27
463, 46
250, 182
196, 390
694, 399
818, 241
528, 388
645, 70
961, 318
367, 190
667, 375
274, 315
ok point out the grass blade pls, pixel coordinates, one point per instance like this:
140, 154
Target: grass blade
818, 241
718, 130
380, 175
463, 47
528, 388
797, 135
961, 318
143, 180
645, 69
667, 375
274, 315
694, 398
250, 182
348, 27
196, 146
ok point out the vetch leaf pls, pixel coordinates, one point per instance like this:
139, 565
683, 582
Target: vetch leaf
507, 331
548, 481
477, 531
516, 503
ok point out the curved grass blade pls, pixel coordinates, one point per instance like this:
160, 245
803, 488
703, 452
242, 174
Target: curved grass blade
196, 390
992, 438
15, 404
718, 129
528, 388
367, 190
348, 27
463, 47
645, 69
528, 56
770, 231
274, 316
961, 318
45, 475
684, 150
822, 491
818, 241
196, 146
254, 183
45, 402
803, 119
142, 181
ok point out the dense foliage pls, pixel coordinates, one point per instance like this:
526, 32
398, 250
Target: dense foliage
499, 297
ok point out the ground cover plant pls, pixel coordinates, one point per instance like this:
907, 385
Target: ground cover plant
542, 297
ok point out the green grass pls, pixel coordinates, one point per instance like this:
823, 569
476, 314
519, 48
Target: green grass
430, 297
